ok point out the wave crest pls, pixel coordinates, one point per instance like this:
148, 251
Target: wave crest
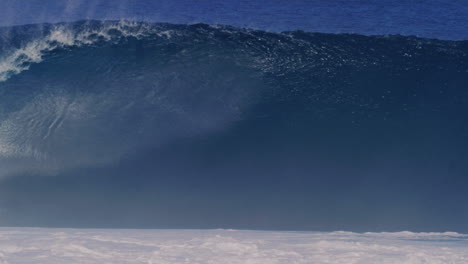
66, 35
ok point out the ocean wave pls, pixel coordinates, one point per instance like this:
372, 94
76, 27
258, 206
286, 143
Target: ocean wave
92, 92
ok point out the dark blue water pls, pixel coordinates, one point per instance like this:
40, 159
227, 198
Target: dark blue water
126, 124
440, 19
182, 125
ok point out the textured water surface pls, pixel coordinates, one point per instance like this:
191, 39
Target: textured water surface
72, 246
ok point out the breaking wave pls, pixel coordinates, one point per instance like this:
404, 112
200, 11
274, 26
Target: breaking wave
91, 92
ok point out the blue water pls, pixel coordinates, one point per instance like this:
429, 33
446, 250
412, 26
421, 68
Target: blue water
183, 125
198, 126
442, 19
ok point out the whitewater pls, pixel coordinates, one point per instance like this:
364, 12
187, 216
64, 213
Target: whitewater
73, 246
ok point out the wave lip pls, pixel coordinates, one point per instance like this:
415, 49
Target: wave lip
67, 35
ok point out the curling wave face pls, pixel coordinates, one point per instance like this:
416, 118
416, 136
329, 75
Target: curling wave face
109, 88
89, 93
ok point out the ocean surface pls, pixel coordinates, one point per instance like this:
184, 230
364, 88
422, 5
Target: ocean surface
306, 115
440, 19
253, 115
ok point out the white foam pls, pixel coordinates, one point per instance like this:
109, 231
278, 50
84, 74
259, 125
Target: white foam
222, 246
